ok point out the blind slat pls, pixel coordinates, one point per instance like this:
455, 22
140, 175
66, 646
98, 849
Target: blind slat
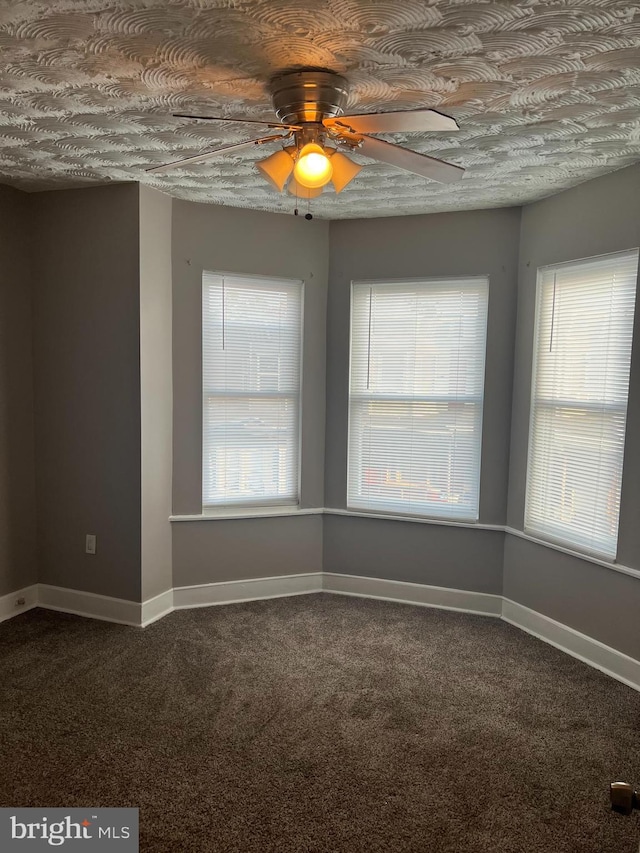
251, 354
582, 355
416, 393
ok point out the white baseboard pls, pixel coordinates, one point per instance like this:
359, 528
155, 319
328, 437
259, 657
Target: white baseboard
592, 652
9, 606
441, 597
232, 592
157, 607
89, 604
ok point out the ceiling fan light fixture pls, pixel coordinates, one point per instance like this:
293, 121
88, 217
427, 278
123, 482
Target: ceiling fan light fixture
344, 170
277, 168
310, 105
313, 168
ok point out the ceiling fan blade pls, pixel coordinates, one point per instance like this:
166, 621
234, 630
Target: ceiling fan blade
240, 121
207, 155
411, 161
405, 121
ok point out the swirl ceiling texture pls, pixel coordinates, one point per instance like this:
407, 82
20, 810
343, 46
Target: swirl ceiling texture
546, 92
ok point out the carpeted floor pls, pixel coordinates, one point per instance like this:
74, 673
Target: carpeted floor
318, 723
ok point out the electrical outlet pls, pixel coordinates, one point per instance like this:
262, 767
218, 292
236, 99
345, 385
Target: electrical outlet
90, 543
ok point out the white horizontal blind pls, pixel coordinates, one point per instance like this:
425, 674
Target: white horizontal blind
251, 357
582, 354
416, 392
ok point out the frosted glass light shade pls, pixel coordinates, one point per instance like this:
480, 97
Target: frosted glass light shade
276, 168
344, 171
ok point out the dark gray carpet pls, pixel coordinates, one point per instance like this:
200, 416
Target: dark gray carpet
318, 723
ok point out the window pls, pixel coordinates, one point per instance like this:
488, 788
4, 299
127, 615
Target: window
415, 399
251, 355
582, 353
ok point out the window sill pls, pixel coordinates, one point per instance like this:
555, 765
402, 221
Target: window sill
417, 519
283, 511
247, 512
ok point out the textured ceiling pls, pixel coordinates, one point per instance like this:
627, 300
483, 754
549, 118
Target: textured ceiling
547, 93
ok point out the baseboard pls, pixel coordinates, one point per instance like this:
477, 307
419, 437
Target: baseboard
232, 592
592, 652
440, 597
89, 604
9, 607
157, 607
614, 663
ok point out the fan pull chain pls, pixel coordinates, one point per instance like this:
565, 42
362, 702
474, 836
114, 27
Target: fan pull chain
296, 212
308, 215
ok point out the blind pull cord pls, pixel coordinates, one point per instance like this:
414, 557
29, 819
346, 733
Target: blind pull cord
369, 340
553, 311
223, 312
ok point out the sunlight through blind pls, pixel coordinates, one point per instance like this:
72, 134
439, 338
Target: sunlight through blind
582, 354
416, 392
251, 359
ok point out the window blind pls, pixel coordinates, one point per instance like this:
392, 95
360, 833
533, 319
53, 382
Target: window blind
251, 363
415, 399
582, 355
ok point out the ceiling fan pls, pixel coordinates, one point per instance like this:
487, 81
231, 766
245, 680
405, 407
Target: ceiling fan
310, 105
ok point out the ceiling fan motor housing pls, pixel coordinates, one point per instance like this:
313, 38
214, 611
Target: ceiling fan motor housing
308, 96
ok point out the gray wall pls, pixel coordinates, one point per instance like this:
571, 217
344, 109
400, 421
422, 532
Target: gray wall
85, 252
156, 400
434, 554
18, 566
241, 548
469, 243
597, 217
244, 241
597, 601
